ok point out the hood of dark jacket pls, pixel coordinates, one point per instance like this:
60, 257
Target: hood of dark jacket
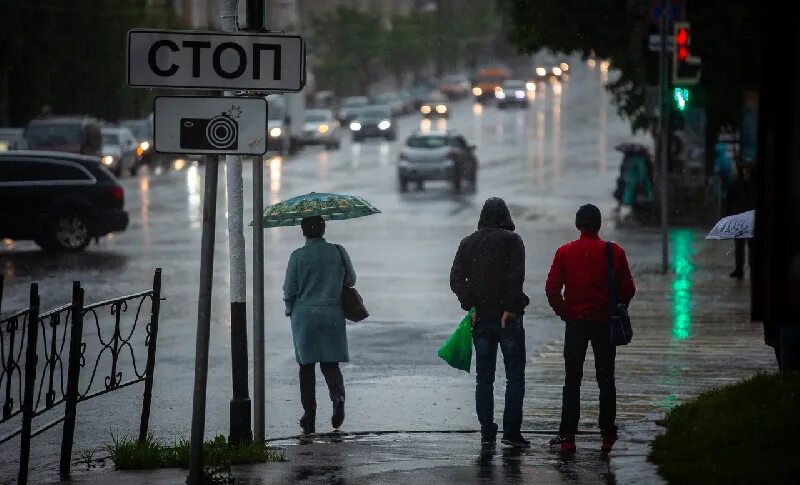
495, 215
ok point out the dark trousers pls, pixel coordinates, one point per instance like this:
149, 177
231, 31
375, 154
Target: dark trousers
333, 377
577, 336
739, 253
486, 335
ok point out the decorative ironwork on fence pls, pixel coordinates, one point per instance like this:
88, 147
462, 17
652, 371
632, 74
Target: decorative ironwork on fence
40, 389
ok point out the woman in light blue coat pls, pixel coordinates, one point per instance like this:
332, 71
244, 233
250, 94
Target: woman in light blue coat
312, 291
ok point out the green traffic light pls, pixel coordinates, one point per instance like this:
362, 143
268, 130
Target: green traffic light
681, 96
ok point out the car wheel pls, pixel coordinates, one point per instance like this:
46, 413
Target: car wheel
358, 139
391, 138
70, 231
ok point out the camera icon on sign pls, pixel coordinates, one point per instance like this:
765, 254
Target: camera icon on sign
217, 133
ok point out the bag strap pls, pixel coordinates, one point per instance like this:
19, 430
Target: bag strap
341, 255
612, 279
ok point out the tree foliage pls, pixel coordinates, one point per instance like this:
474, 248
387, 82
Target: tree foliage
351, 47
346, 44
724, 34
69, 56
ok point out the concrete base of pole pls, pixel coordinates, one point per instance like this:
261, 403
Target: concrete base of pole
240, 421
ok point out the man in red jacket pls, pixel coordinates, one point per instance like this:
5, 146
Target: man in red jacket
580, 269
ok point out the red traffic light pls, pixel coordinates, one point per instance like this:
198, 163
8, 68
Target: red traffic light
682, 36
685, 66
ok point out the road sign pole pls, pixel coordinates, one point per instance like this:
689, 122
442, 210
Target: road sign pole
663, 145
240, 423
203, 321
256, 20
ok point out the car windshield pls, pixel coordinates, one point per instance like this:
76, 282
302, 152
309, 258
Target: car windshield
110, 139
373, 114
140, 129
427, 142
317, 117
354, 102
53, 134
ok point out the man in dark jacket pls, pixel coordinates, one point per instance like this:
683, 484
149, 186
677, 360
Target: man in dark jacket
487, 274
580, 269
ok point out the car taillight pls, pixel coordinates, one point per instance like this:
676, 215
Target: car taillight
116, 194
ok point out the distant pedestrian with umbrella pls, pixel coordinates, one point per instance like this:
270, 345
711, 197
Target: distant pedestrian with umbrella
741, 197
316, 276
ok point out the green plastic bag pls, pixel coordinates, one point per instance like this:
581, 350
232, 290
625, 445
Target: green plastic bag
457, 349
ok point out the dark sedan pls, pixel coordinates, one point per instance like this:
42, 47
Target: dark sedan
374, 122
59, 200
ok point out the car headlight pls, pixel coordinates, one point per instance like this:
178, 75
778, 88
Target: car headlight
540, 71
143, 147
425, 109
441, 109
500, 94
107, 160
557, 71
564, 67
519, 94
384, 125
355, 126
323, 129
530, 86
275, 132
476, 91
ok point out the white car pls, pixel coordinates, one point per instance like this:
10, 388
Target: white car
320, 127
119, 150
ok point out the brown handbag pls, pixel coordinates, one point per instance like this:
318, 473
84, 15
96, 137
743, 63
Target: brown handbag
352, 303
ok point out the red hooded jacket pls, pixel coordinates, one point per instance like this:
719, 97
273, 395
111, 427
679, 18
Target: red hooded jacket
579, 269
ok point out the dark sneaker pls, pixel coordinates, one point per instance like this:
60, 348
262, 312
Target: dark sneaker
307, 423
517, 441
488, 439
338, 412
738, 274
608, 442
566, 442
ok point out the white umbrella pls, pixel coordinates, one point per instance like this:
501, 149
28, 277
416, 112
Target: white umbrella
737, 226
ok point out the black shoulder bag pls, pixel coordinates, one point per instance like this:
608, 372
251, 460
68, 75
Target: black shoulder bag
619, 320
352, 303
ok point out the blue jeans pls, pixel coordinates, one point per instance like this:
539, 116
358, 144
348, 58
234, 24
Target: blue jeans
486, 335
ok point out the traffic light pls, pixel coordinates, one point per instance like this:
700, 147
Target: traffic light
685, 66
681, 97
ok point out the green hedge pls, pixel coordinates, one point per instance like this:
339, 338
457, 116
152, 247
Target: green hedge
748, 432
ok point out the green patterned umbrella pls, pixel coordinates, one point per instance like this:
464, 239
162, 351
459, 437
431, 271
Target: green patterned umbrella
330, 206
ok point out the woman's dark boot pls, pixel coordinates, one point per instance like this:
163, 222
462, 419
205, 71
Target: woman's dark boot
307, 423
338, 412
335, 381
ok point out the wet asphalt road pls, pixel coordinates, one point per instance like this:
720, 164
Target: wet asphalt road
545, 161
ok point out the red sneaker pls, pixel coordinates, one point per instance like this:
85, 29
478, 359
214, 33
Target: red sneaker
608, 442
566, 443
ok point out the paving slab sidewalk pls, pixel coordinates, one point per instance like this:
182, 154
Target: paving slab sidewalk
692, 333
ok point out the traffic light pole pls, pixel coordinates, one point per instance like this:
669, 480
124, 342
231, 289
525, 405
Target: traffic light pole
663, 134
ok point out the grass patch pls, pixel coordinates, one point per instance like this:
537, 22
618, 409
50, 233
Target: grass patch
748, 432
130, 454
